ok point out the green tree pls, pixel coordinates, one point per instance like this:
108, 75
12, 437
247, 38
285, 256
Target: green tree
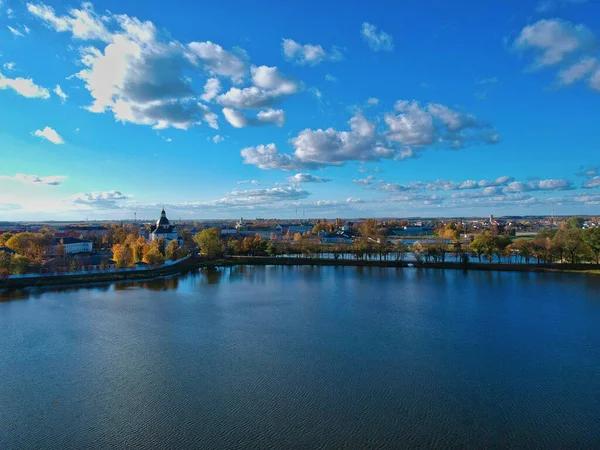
591, 237
18, 264
575, 223
572, 243
483, 245
208, 242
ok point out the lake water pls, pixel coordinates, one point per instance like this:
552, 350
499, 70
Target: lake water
305, 357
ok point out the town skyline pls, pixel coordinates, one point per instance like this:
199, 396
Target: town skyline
223, 113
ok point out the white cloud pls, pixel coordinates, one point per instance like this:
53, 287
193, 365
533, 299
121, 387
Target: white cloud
573, 48
542, 185
100, 200
211, 89
240, 120
24, 86
500, 181
9, 66
254, 182
364, 181
83, 23
14, 31
268, 157
593, 182
136, 76
49, 134
274, 116
269, 88
217, 60
373, 101
307, 178
237, 119
330, 78
248, 198
218, 138
553, 40
413, 127
53, 180
423, 126
377, 40
58, 91
308, 54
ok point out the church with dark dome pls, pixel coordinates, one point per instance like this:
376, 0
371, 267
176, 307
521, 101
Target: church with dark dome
163, 229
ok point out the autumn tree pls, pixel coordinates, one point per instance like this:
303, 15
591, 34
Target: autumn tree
31, 245
208, 242
368, 228
123, 255
153, 256
171, 251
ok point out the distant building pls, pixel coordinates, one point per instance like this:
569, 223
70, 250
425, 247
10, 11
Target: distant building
71, 246
163, 229
412, 230
335, 238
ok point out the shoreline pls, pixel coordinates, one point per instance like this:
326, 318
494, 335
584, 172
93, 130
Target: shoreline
199, 262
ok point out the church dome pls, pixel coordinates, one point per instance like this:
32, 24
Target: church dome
163, 221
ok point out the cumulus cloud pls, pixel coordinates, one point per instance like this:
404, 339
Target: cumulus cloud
217, 60
59, 92
419, 126
24, 86
269, 88
254, 182
556, 42
308, 54
593, 182
49, 134
100, 200
274, 116
364, 181
552, 40
307, 178
83, 23
240, 120
9, 66
211, 89
268, 157
53, 180
377, 40
139, 77
249, 198
542, 185
218, 138
414, 126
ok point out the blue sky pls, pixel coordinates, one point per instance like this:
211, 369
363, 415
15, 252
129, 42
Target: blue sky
325, 109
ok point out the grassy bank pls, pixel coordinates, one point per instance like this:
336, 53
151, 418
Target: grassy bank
97, 277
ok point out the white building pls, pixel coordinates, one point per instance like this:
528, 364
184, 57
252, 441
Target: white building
71, 246
163, 229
